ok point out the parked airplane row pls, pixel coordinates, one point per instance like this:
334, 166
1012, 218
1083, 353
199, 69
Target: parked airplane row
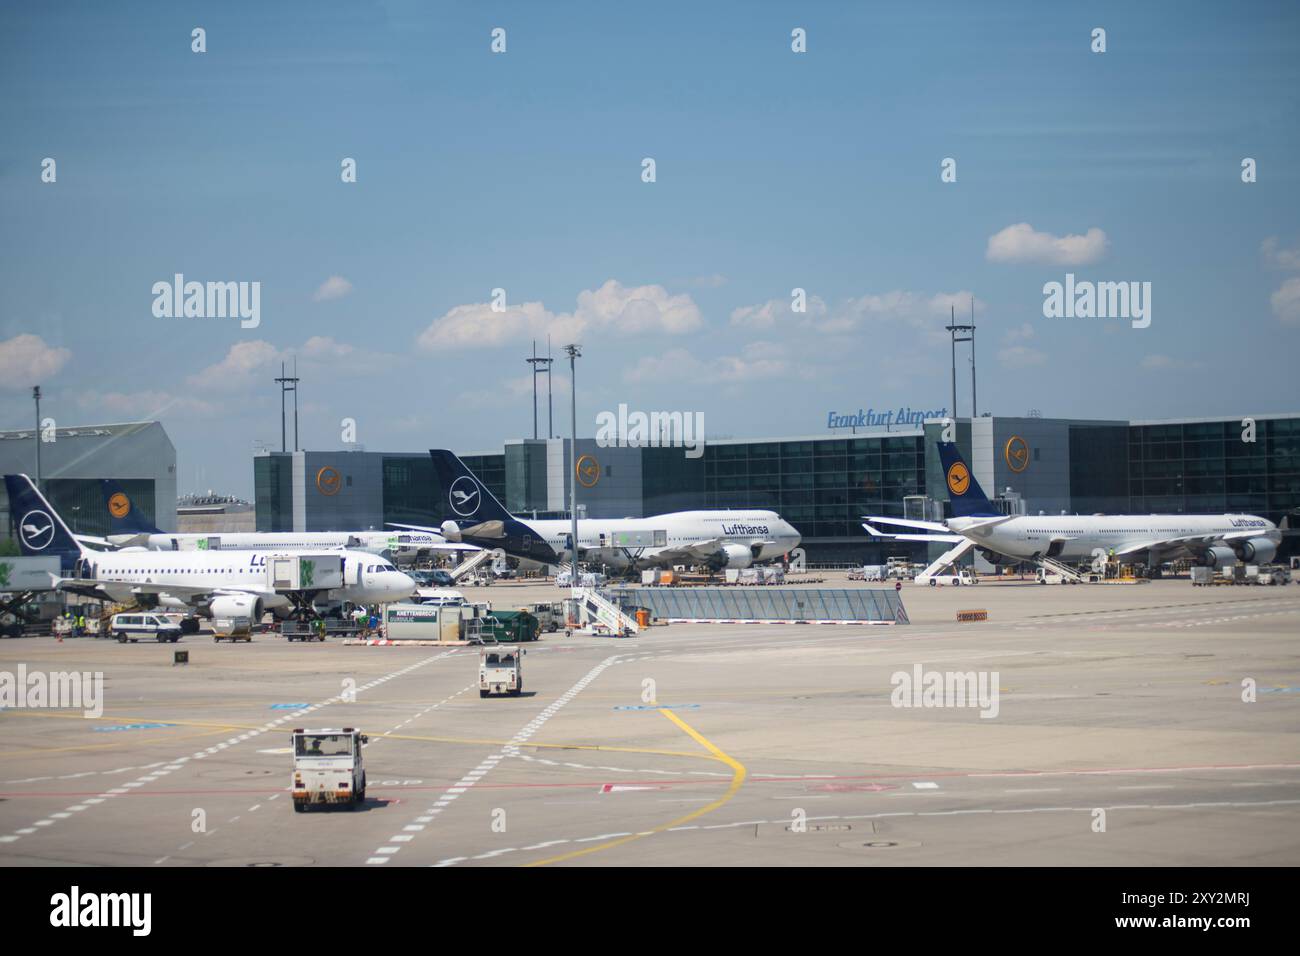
717, 539
1210, 540
212, 584
128, 528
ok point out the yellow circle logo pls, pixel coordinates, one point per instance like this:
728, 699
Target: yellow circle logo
958, 478
328, 481
119, 505
1016, 453
588, 470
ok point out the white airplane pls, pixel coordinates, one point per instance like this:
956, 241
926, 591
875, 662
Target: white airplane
207, 583
718, 539
1209, 540
130, 529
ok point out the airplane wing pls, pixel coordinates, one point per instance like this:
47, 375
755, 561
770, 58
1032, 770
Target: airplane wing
122, 590
695, 551
1192, 542
877, 533
442, 543
908, 523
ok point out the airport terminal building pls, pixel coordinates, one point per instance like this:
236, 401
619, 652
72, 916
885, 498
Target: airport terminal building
73, 461
823, 484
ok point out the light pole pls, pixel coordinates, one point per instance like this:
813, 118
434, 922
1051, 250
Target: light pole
36, 394
574, 352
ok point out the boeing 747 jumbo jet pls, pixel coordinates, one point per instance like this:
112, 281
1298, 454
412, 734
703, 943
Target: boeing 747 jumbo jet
128, 528
1210, 540
718, 539
207, 583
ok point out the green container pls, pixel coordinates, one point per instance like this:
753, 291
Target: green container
514, 626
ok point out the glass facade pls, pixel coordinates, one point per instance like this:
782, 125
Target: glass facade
1207, 467
409, 493
822, 487
491, 470
1099, 469
273, 492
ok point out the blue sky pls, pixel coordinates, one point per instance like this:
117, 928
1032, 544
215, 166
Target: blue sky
522, 171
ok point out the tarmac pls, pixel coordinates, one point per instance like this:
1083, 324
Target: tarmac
1131, 725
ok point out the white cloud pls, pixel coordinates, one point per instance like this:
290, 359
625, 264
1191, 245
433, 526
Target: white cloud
237, 369
1286, 302
335, 287
27, 360
769, 313
1022, 243
1277, 257
611, 308
254, 363
918, 310
1016, 355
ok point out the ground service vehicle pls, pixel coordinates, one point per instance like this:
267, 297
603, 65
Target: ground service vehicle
133, 627
327, 768
950, 580
500, 671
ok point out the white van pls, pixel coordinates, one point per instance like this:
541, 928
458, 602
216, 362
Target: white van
133, 627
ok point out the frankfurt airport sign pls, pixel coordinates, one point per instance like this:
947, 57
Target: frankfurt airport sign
904, 415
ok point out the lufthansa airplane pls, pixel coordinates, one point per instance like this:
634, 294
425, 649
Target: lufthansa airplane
128, 528
207, 583
1209, 540
718, 539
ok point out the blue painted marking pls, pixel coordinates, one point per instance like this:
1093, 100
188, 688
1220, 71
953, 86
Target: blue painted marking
657, 707
287, 706
1281, 690
130, 727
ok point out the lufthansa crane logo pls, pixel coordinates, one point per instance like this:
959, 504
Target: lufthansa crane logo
328, 481
37, 529
588, 470
119, 506
463, 496
1016, 453
958, 478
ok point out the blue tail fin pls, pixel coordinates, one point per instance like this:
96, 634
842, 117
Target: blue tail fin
41, 532
968, 498
463, 497
123, 516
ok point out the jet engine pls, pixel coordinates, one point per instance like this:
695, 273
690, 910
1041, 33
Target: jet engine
1254, 550
734, 556
992, 557
451, 531
1218, 557
235, 605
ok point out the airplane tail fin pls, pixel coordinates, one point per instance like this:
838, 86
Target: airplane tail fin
41, 532
968, 498
462, 497
123, 516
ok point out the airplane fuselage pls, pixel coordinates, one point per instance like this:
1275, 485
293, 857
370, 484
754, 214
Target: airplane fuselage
1078, 537
649, 542
366, 578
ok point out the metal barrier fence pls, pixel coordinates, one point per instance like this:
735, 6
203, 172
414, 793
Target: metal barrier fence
762, 605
